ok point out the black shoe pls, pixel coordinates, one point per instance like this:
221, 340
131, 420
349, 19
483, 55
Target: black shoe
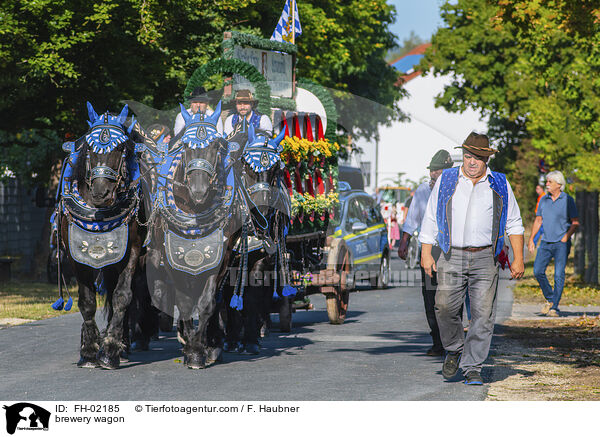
435, 351
473, 377
450, 367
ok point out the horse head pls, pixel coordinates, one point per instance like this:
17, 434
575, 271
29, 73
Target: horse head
104, 156
203, 154
261, 167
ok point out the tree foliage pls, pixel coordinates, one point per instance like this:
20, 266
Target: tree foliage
534, 68
56, 54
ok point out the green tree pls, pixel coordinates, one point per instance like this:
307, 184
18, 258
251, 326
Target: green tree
56, 54
533, 68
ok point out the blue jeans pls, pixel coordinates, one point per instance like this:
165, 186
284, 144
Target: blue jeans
559, 251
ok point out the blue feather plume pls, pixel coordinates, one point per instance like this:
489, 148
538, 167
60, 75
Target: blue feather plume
288, 290
275, 295
59, 304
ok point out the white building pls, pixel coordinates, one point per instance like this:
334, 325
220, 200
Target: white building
407, 147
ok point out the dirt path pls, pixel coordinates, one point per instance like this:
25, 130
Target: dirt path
546, 359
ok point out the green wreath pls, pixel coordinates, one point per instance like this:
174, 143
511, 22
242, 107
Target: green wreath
326, 100
233, 66
245, 39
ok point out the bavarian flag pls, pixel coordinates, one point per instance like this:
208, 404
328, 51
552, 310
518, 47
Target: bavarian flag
288, 27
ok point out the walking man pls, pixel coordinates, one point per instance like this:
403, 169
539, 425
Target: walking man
558, 214
469, 211
440, 161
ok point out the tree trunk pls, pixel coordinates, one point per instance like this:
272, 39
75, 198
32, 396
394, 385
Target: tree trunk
591, 240
579, 239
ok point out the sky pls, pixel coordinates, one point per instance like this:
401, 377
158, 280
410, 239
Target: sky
421, 16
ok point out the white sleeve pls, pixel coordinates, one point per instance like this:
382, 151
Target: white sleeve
228, 128
429, 228
179, 124
416, 210
266, 125
514, 224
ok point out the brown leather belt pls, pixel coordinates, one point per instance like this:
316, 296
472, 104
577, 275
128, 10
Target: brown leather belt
472, 248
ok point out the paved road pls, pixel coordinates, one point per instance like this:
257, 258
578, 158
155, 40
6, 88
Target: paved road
378, 354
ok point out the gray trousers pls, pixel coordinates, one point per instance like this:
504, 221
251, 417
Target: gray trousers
457, 272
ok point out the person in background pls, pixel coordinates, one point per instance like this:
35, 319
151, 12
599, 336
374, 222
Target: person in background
539, 190
468, 214
558, 214
440, 161
198, 103
394, 230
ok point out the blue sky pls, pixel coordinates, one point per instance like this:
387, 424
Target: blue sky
422, 16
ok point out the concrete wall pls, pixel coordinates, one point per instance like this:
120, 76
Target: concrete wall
21, 225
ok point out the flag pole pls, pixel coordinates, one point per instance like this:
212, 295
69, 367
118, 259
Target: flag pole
293, 7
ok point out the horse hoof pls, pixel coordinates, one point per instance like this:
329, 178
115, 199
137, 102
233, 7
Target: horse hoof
108, 362
87, 363
194, 361
251, 349
214, 355
140, 346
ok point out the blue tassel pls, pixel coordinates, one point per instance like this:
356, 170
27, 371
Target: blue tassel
234, 301
59, 304
288, 290
275, 295
240, 303
69, 304
100, 288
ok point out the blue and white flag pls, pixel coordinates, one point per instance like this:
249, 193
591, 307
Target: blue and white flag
288, 27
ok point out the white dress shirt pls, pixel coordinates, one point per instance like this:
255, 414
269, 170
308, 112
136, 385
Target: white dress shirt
265, 124
416, 211
472, 214
180, 122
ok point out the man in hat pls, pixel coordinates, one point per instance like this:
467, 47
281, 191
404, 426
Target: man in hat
245, 114
440, 161
198, 103
468, 213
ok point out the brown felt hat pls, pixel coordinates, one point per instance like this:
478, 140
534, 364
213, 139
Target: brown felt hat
199, 95
244, 96
478, 145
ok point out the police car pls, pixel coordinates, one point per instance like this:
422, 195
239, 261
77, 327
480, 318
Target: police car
364, 231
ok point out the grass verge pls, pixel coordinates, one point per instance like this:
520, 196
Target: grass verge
575, 292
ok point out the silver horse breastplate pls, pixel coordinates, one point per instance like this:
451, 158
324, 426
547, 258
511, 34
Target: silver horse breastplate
98, 249
194, 255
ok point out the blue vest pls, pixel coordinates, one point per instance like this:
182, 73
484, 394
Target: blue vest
254, 119
448, 182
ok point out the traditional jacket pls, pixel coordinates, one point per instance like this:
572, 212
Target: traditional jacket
449, 180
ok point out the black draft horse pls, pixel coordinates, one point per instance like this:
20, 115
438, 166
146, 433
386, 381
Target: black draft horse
259, 166
193, 233
99, 232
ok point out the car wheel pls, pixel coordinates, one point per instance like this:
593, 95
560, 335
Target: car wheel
383, 276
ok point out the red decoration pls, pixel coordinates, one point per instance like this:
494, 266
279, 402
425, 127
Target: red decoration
288, 181
285, 126
320, 184
297, 131
320, 135
298, 181
308, 128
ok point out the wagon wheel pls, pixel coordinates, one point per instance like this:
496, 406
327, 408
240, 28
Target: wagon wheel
340, 260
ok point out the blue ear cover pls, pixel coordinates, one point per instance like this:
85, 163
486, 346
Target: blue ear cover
91, 113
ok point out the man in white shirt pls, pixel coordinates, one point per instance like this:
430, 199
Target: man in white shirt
245, 114
198, 103
440, 161
468, 213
